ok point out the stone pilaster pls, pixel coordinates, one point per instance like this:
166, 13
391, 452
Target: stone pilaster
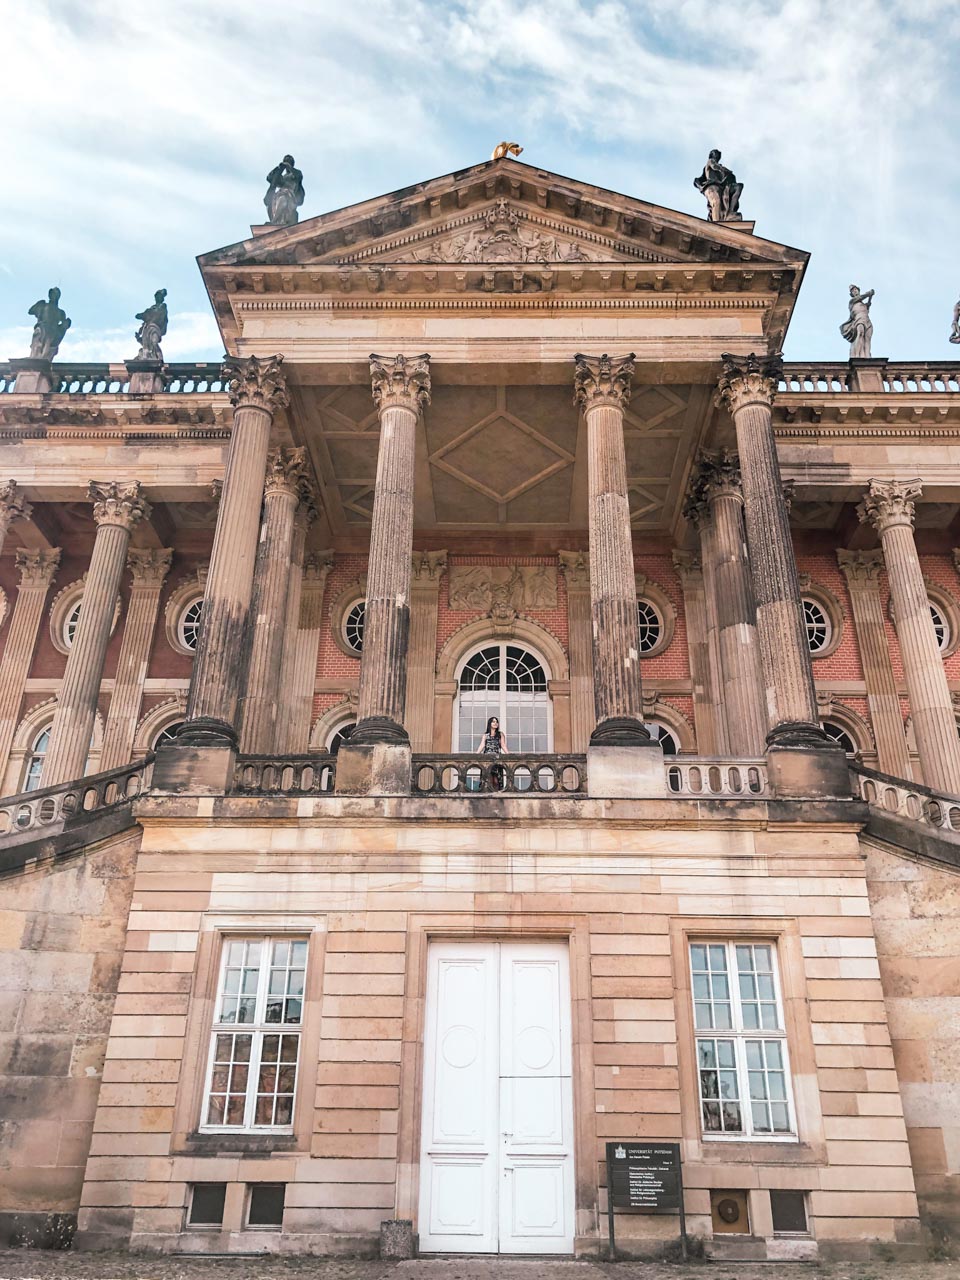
13, 506
149, 569
401, 389
428, 568
303, 671
602, 389
257, 391
37, 569
702, 672
116, 511
862, 572
289, 702
575, 567
718, 484
889, 507
698, 512
281, 497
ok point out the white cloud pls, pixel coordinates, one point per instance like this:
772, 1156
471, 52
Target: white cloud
192, 335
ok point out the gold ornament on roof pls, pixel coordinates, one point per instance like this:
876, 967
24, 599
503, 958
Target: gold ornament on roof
502, 149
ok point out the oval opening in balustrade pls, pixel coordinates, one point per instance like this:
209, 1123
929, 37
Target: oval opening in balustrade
69, 804
754, 780
47, 809
287, 778
473, 778
869, 792
953, 817
734, 779
695, 780
546, 778
132, 788
891, 799
268, 778
714, 779
913, 807
248, 777
326, 779
675, 778
24, 816
307, 777
91, 798
522, 778
570, 778
450, 778
6, 822
111, 793
426, 777
934, 812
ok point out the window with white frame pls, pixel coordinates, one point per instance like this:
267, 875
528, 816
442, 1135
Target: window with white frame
818, 626
509, 682
742, 1065
941, 625
354, 621
41, 744
70, 624
650, 625
188, 626
255, 1041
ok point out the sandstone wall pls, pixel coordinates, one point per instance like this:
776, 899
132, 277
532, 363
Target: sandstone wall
916, 910
62, 930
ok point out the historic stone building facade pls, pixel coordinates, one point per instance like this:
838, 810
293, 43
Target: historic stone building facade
284, 957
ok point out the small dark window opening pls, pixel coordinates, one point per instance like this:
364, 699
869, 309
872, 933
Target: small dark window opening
789, 1211
206, 1204
265, 1206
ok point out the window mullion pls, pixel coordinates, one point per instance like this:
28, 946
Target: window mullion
743, 1083
253, 1075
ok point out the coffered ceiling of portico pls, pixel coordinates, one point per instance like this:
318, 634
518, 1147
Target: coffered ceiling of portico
497, 457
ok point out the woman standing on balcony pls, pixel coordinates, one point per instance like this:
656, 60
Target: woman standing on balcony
493, 743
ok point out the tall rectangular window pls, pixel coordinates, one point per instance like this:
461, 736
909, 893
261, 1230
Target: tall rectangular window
255, 1041
742, 1065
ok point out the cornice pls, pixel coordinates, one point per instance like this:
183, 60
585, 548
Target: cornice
658, 302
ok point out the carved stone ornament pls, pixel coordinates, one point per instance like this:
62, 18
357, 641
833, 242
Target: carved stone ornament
428, 566
501, 240
118, 504
858, 328
721, 190
316, 567
50, 327
403, 381
481, 588
601, 380
689, 568
860, 568
888, 503
955, 323
152, 329
575, 567
748, 379
717, 476
37, 568
13, 505
285, 471
257, 382
149, 568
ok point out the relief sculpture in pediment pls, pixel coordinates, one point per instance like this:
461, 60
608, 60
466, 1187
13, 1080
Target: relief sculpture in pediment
501, 241
486, 587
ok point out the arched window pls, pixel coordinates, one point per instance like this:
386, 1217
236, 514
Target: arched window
38, 754
353, 623
650, 624
339, 735
660, 733
188, 627
70, 624
509, 682
941, 625
817, 621
166, 735
840, 736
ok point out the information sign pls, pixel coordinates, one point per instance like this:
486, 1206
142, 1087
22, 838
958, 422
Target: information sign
644, 1177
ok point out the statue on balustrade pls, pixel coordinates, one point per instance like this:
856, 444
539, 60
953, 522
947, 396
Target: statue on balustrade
153, 328
955, 327
721, 189
51, 324
858, 330
285, 194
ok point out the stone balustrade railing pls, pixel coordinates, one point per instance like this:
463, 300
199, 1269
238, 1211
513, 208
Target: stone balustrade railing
302, 775
898, 798
50, 809
113, 379
703, 776
937, 378
526, 775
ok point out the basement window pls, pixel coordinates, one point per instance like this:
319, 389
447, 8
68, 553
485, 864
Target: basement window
265, 1205
789, 1210
206, 1204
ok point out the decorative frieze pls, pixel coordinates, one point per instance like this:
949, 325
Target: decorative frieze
478, 587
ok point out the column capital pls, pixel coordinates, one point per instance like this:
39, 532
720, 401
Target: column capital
258, 383
575, 567
13, 505
429, 566
602, 380
888, 503
718, 476
747, 380
149, 567
37, 568
316, 567
403, 382
286, 472
689, 568
115, 504
860, 568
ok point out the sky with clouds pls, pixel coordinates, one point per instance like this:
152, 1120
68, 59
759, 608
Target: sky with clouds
138, 135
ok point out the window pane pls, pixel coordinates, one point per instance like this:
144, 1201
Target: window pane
265, 1206
789, 1211
206, 1204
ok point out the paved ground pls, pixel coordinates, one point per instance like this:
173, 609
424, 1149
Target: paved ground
24, 1264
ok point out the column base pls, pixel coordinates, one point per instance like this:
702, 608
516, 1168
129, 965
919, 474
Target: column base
620, 731
373, 769
32, 376
817, 770
183, 769
626, 773
376, 729
207, 731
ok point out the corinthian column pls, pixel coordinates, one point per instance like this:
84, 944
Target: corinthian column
862, 572
717, 484
13, 506
36, 573
602, 389
401, 388
257, 391
428, 568
281, 496
288, 706
300, 677
746, 389
889, 507
575, 567
149, 568
703, 674
116, 511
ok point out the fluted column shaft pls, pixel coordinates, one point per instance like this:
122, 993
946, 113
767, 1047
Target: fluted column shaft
149, 569
602, 389
401, 388
287, 707
303, 670
862, 572
270, 594
257, 391
116, 511
37, 569
889, 507
746, 389
428, 568
575, 566
703, 675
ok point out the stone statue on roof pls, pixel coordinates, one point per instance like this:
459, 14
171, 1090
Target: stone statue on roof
153, 328
858, 329
51, 324
284, 194
721, 190
955, 326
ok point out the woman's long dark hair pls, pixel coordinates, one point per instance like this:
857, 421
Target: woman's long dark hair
487, 733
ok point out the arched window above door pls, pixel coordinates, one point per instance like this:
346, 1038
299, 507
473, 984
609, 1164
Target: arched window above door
508, 681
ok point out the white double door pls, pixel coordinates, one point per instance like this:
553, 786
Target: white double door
496, 1155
